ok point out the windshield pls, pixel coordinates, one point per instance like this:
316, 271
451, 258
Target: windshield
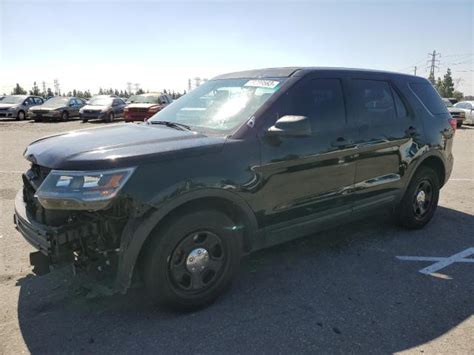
220, 105
57, 101
13, 99
448, 103
100, 101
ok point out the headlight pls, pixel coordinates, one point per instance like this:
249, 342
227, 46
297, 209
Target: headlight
81, 190
462, 114
12, 109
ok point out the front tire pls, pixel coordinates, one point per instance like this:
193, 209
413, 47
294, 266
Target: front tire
459, 124
64, 116
21, 116
110, 117
420, 200
192, 259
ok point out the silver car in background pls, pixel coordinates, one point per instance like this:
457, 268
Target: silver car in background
103, 108
57, 108
468, 108
456, 113
17, 106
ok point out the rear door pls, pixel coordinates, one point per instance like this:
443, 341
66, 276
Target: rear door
308, 177
386, 134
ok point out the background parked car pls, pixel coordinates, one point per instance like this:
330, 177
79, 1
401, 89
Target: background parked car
456, 113
1, 98
142, 107
468, 108
17, 106
100, 107
58, 107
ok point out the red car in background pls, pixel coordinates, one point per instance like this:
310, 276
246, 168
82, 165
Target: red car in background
142, 107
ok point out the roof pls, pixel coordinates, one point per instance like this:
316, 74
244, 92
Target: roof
284, 72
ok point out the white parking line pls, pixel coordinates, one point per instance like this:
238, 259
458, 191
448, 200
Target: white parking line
11, 172
441, 263
461, 180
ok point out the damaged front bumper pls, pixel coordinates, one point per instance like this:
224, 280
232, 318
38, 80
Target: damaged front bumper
56, 245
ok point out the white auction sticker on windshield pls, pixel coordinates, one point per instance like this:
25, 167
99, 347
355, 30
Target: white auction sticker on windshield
270, 84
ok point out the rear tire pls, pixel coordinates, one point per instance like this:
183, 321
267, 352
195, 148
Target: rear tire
192, 259
459, 124
85, 120
420, 200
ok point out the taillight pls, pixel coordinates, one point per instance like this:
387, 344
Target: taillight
453, 122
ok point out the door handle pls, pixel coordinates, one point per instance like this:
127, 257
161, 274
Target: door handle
411, 131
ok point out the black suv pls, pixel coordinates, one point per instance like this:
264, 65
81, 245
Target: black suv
245, 161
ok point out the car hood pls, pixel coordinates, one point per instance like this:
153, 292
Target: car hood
118, 145
454, 109
47, 107
95, 107
4, 106
141, 105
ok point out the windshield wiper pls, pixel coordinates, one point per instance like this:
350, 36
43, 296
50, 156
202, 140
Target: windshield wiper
170, 124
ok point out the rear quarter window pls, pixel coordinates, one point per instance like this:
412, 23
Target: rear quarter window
428, 95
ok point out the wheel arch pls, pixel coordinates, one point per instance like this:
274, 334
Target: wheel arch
137, 233
436, 163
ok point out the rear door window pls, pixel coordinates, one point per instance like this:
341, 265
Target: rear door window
428, 95
399, 105
373, 101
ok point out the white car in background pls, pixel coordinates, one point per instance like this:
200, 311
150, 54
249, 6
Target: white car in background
468, 108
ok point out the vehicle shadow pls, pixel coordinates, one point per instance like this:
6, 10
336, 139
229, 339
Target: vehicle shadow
341, 291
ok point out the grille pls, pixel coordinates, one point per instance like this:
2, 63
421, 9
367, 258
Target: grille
138, 109
455, 114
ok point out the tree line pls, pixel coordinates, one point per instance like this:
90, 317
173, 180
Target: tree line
445, 86
35, 90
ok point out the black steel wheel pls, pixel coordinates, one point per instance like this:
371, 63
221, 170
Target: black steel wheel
423, 199
192, 259
197, 262
420, 200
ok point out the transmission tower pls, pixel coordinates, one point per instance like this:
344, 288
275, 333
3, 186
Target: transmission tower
433, 64
56, 87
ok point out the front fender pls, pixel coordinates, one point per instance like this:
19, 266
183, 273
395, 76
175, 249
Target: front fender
137, 230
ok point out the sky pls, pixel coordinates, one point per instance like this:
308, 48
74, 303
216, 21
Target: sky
92, 44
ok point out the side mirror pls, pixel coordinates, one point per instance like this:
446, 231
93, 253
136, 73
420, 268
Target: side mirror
291, 126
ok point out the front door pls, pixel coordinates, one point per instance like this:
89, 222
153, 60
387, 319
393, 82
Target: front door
308, 177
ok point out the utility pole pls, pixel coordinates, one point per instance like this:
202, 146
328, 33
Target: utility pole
415, 70
189, 85
44, 87
137, 86
433, 65
56, 87
129, 88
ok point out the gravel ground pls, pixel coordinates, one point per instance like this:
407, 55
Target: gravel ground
341, 291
